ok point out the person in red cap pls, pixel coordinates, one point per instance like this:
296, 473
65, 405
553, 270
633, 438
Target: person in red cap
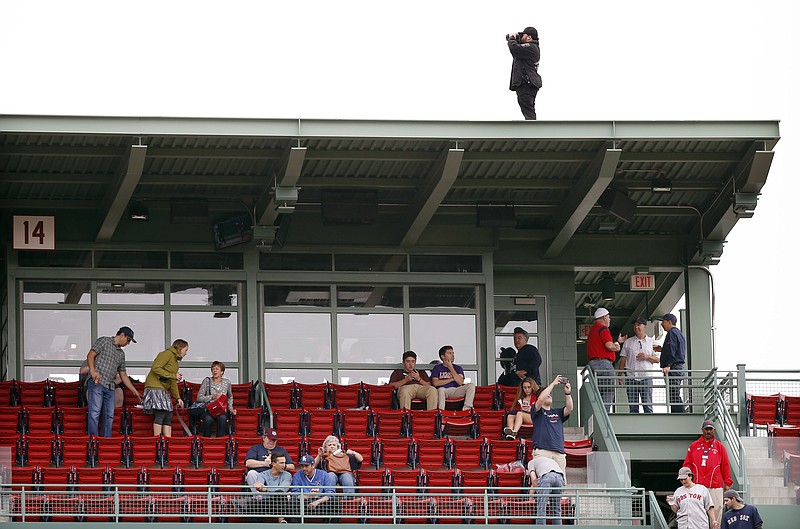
525, 78
259, 457
708, 460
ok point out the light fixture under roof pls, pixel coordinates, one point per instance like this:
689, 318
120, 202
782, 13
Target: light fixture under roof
138, 212
661, 185
607, 287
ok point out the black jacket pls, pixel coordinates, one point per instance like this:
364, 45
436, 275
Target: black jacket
525, 68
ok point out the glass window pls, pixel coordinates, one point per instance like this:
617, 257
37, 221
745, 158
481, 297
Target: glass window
204, 294
429, 332
446, 263
56, 293
370, 338
304, 376
296, 261
130, 293
210, 338
371, 263
198, 374
447, 297
57, 259
206, 260
130, 259
506, 320
297, 337
55, 373
369, 296
297, 296
56, 334
148, 327
368, 376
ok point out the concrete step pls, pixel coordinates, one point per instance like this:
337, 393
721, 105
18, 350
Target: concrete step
766, 481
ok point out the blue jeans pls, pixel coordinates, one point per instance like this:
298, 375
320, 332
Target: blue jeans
640, 391
675, 379
345, 479
554, 482
101, 403
604, 369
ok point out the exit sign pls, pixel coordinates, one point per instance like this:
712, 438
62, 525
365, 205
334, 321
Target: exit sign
643, 282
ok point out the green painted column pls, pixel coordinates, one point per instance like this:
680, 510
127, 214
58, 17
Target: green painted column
698, 324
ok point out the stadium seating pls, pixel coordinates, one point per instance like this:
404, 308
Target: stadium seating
346, 396
357, 423
790, 410
323, 422
378, 397
313, 396
783, 439
577, 452
432, 454
763, 410
391, 423
281, 395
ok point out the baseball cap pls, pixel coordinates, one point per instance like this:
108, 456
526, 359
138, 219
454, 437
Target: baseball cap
640, 320
306, 460
271, 434
670, 317
599, 313
127, 331
732, 494
530, 30
707, 424
684, 472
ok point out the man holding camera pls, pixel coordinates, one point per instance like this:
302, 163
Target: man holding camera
548, 427
525, 78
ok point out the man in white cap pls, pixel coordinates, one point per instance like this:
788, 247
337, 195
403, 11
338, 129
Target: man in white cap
708, 461
692, 503
602, 350
738, 515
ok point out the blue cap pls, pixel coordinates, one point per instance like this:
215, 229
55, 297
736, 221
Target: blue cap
127, 331
670, 318
306, 460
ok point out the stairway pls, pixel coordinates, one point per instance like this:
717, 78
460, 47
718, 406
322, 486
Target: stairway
765, 474
598, 509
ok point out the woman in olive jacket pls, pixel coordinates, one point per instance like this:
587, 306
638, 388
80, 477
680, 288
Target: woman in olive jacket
161, 386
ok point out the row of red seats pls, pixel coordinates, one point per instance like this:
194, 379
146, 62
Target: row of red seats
326, 395
773, 409
139, 497
158, 451
785, 441
128, 420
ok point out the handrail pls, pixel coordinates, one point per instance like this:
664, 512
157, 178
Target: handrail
657, 520
606, 438
585, 505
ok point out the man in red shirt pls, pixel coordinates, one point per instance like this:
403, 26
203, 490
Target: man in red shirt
602, 351
708, 460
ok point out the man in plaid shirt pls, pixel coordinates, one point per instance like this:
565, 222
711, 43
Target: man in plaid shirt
106, 358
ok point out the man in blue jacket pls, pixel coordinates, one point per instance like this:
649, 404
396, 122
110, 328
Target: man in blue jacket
673, 360
525, 78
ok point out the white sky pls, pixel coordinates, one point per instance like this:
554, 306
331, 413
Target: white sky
447, 59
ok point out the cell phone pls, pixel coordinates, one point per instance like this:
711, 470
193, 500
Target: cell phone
563, 380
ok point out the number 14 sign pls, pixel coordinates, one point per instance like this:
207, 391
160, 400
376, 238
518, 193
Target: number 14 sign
34, 232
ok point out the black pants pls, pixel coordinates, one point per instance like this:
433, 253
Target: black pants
675, 379
526, 97
221, 422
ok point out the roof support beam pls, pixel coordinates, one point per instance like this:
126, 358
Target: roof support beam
430, 196
583, 198
117, 197
718, 220
291, 165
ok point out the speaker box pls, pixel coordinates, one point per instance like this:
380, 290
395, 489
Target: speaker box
618, 204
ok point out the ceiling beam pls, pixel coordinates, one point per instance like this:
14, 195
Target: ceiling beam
430, 196
119, 193
291, 165
584, 196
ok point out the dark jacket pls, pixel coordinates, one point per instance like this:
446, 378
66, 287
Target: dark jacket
674, 349
525, 68
529, 359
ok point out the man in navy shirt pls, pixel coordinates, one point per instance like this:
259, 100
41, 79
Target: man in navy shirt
259, 457
738, 515
548, 428
673, 360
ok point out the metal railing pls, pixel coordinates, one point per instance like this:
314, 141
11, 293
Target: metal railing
161, 503
696, 390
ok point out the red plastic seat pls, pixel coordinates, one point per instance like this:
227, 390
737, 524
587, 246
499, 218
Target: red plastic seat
441, 484
322, 422
290, 422
243, 395
503, 451
141, 423
66, 394
182, 451
364, 446
424, 424
33, 394
40, 449
508, 395
783, 439
248, 421
71, 421
433, 454
395, 453
378, 397
281, 395
790, 410
108, 451
214, 451
357, 423
791, 468
391, 423
346, 395
313, 396
491, 424
762, 410
73, 449
8, 393
457, 423
470, 454
487, 398
39, 420
11, 419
